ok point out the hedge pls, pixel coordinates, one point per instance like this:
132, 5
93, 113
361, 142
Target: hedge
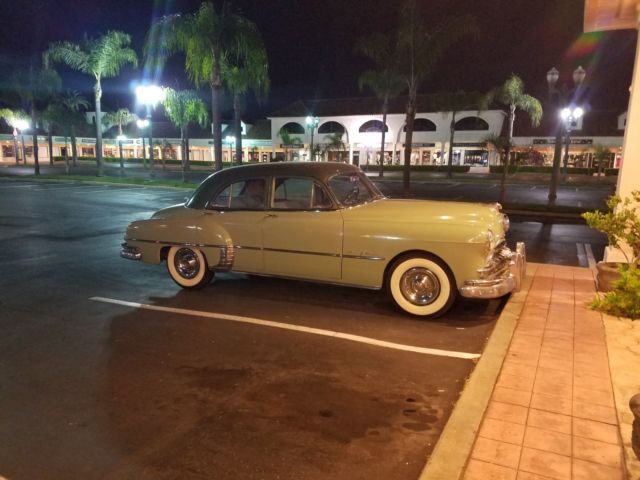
417, 168
537, 169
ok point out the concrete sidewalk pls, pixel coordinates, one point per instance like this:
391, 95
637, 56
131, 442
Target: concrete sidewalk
559, 400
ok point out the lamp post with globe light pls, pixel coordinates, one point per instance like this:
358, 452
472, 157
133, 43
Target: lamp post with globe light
562, 98
150, 95
568, 115
312, 123
143, 123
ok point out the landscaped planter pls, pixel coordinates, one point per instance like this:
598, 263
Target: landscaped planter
607, 274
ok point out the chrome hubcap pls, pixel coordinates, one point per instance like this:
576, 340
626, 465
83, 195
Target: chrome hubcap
420, 286
187, 263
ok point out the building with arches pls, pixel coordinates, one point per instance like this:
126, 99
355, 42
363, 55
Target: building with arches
359, 122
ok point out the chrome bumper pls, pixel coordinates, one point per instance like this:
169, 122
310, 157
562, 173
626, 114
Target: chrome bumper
509, 281
130, 253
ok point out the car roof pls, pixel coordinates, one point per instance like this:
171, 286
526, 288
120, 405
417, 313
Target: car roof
318, 170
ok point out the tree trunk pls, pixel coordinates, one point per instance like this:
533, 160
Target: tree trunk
36, 160
98, 96
507, 158
183, 143
216, 90
50, 139
187, 165
74, 147
120, 151
15, 147
237, 125
408, 140
66, 155
385, 108
555, 172
452, 132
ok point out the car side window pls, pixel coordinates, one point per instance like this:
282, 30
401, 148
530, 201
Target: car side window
296, 193
243, 195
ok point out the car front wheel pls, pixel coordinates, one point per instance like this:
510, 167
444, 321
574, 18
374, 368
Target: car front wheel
422, 285
188, 267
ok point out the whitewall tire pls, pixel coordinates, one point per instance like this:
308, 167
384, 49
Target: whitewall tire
422, 285
188, 267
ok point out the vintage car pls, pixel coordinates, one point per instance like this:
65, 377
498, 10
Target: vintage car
327, 222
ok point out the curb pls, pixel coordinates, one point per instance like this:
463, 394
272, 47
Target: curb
451, 453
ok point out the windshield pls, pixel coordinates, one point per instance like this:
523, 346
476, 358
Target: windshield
353, 189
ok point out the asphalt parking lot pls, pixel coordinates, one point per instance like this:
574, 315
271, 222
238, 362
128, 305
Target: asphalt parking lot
108, 370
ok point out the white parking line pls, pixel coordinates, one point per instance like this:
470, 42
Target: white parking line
297, 328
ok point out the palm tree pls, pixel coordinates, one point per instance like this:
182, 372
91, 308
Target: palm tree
35, 87
101, 58
184, 107
121, 117
499, 144
14, 118
419, 49
511, 94
602, 155
333, 142
287, 141
73, 102
385, 80
246, 68
205, 37
455, 103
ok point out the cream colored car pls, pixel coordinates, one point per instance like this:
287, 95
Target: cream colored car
327, 222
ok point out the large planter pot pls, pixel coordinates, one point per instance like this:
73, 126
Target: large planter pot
607, 274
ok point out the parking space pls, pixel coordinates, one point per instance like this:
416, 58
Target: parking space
249, 378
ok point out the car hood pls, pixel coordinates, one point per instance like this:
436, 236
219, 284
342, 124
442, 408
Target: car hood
428, 211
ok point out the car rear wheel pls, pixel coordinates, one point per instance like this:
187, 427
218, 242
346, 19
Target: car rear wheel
188, 267
422, 285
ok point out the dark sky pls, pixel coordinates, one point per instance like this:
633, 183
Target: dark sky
310, 44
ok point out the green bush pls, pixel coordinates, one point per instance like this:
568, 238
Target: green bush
624, 299
417, 168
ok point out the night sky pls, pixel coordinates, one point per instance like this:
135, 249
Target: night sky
310, 44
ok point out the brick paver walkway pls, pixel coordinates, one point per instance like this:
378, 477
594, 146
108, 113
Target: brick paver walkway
552, 413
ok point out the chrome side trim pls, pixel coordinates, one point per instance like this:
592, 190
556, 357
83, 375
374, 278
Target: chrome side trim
301, 252
242, 247
362, 257
162, 242
227, 255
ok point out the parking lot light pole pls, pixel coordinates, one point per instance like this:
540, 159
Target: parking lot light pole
142, 124
312, 123
150, 95
560, 98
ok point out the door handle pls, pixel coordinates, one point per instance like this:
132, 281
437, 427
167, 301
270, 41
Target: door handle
270, 215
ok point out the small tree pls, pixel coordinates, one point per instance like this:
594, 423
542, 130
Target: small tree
334, 143
622, 227
602, 155
184, 107
120, 118
287, 141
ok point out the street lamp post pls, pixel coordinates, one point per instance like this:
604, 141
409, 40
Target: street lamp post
312, 123
561, 98
142, 124
150, 95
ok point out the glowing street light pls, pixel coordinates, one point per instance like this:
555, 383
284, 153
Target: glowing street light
569, 115
150, 95
312, 123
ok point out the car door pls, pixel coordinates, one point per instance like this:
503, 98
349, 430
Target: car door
302, 231
238, 210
